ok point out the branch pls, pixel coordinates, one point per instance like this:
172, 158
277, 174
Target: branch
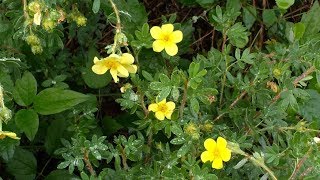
88, 163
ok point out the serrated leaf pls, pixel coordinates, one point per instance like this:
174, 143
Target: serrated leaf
53, 100
25, 89
27, 121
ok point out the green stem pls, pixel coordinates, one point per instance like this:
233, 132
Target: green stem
184, 98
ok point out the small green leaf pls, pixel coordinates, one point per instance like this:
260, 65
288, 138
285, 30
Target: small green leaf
53, 100
183, 150
96, 6
284, 4
238, 35
195, 105
164, 93
269, 17
25, 89
298, 30
27, 121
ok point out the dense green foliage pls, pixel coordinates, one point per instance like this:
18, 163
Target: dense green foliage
247, 71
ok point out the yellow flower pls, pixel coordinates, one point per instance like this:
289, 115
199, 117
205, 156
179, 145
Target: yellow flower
4, 134
162, 109
166, 38
216, 152
119, 66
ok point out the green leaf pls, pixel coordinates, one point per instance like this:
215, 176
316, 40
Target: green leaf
53, 100
96, 6
195, 105
164, 93
284, 4
93, 80
61, 174
178, 140
7, 147
147, 75
25, 89
23, 165
269, 17
238, 35
311, 20
27, 121
183, 150
298, 30
249, 16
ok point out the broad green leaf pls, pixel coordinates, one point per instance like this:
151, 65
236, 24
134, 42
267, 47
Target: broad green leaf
25, 89
284, 4
205, 3
96, 6
23, 165
7, 147
53, 100
27, 121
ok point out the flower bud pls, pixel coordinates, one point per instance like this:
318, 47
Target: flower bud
37, 49
5, 114
48, 24
277, 72
192, 130
32, 40
34, 7
81, 20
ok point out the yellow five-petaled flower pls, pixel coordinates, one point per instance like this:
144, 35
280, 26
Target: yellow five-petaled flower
9, 134
119, 66
162, 109
166, 38
216, 152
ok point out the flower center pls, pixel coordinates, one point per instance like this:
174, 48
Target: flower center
166, 37
216, 153
163, 108
111, 64
2, 136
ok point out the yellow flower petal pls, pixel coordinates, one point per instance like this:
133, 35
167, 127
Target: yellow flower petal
171, 105
167, 28
158, 45
153, 107
162, 102
210, 144
171, 49
126, 58
221, 142
95, 60
114, 73
131, 68
123, 71
9, 134
168, 114
159, 115
99, 68
156, 32
206, 156
217, 163
225, 154
176, 36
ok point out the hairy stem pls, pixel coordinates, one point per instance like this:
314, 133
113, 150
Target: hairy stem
118, 25
88, 163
